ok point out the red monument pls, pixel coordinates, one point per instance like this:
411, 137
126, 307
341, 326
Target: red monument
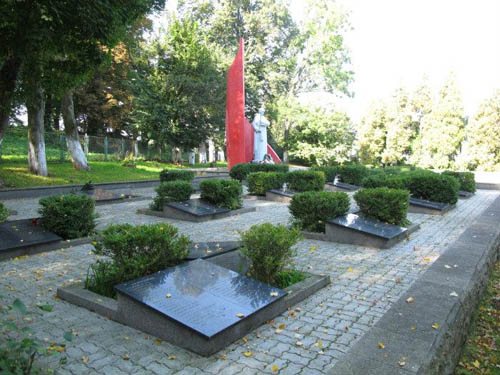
239, 132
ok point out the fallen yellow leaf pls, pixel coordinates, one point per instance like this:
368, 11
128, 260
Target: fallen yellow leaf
240, 315
435, 326
410, 300
85, 359
247, 354
274, 368
126, 357
381, 345
223, 357
282, 326
349, 269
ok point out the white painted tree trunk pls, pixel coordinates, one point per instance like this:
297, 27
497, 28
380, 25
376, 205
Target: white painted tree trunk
203, 152
211, 151
176, 155
220, 155
136, 148
37, 160
86, 141
75, 149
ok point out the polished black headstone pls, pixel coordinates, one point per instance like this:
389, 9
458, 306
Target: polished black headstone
101, 195
198, 207
373, 227
286, 193
465, 194
343, 185
202, 296
206, 250
23, 233
429, 204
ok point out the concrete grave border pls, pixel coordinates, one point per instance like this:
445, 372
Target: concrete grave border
463, 269
279, 196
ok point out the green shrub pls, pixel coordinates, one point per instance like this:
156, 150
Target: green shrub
4, 213
260, 182
330, 171
285, 278
383, 204
433, 187
305, 181
171, 191
352, 174
176, 174
312, 209
223, 193
134, 251
269, 247
241, 171
382, 180
69, 216
465, 179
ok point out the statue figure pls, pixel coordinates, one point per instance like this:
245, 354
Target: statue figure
260, 124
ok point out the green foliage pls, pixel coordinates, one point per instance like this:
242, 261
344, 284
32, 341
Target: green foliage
69, 216
433, 187
383, 180
260, 182
87, 186
176, 174
269, 248
19, 347
286, 278
353, 174
305, 180
372, 133
134, 251
171, 191
330, 171
223, 193
465, 179
4, 213
240, 171
383, 204
312, 209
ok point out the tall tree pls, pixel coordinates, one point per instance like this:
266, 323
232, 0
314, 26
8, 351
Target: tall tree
372, 133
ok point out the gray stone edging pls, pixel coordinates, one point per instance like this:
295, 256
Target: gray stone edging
447, 293
42, 248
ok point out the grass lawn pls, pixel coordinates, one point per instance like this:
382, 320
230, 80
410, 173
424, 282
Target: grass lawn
481, 353
14, 172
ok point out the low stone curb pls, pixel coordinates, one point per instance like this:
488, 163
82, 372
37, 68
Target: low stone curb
42, 248
445, 296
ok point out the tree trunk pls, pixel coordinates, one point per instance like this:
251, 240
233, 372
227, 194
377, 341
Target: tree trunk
176, 155
8, 76
285, 143
136, 148
192, 158
211, 151
37, 160
78, 157
203, 152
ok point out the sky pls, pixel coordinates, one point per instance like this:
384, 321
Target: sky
397, 42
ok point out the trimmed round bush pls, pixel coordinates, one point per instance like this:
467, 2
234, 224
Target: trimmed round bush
352, 174
433, 187
223, 193
330, 171
260, 182
383, 204
312, 209
4, 213
69, 216
465, 179
241, 171
176, 174
171, 191
382, 180
134, 251
269, 248
305, 181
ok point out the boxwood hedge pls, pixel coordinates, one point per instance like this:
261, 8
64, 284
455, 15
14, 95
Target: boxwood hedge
305, 180
4, 213
224, 193
352, 174
171, 191
465, 179
241, 171
433, 186
260, 182
383, 204
176, 174
330, 171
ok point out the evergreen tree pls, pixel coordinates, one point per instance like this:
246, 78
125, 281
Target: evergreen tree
372, 134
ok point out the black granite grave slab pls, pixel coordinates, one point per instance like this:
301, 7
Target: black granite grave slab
102, 196
280, 195
206, 250
19, 234
428, 207
465, 194
358, 230
342, 186
198, 207
197, 296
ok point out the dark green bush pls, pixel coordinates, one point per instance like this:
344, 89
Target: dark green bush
305, 181
383, 204
312, 209
260, 182
223, 193
465, 179
382, 180
134, 251
330, 171
286, 278
433, 186
269, 247
69, 216
240, 171
4, 213
176, 174
171, 191
352, 174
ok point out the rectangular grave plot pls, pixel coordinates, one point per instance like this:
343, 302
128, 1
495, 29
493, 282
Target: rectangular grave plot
286, 193
428, 207
365, 225
465, 194
198, 207
24, 233
205, 250
344, 186
103, 196
201, 296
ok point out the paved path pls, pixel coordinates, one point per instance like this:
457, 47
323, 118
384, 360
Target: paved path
364, 284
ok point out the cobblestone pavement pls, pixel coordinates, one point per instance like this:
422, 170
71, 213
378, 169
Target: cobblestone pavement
364, 284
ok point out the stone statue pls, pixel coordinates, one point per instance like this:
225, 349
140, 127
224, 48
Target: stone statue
260, 124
